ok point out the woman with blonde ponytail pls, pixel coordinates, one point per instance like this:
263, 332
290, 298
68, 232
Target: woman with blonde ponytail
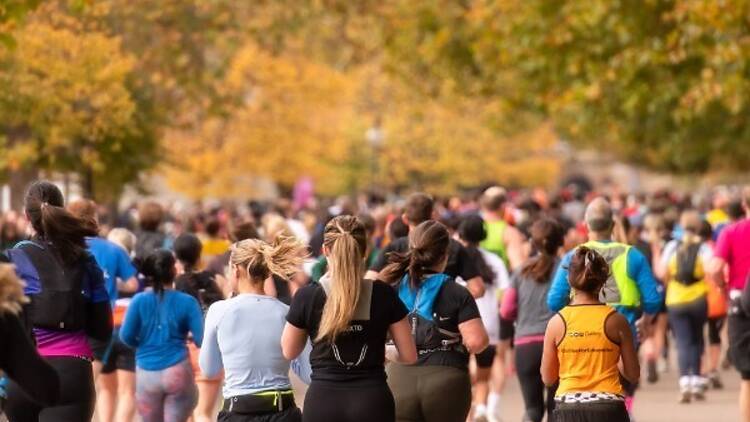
242, 335
684, 264
348, 320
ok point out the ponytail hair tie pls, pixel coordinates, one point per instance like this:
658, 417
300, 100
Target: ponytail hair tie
44, 205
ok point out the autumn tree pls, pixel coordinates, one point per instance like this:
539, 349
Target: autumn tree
661, 83
66, 106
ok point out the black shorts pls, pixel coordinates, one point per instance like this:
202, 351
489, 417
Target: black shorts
714, 330
485, 359
114, 354
507, 329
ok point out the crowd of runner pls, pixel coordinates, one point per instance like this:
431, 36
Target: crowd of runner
412, 308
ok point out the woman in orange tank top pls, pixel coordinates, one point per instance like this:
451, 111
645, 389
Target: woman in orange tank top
583, 345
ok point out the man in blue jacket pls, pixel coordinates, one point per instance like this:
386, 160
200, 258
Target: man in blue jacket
631, 288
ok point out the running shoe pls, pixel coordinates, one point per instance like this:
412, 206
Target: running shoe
685, 397
715, 379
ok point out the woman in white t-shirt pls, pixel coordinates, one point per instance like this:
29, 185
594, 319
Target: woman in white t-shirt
489, 378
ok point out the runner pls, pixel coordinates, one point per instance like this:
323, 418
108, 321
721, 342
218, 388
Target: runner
717, 317
732, 254
488, 378
347, 319
419, 208
508, 243
19, 359
219, 265
582, 347
157, 325
114, 362
631, 287
657, 235
242, 336
683, 263
68, 304
525, 303
205, 288
149, 236
122, 356
214, 244
502, 239
446, 325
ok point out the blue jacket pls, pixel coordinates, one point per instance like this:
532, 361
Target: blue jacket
639, 270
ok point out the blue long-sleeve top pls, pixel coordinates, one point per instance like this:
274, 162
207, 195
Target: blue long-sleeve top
157, 328
638, 269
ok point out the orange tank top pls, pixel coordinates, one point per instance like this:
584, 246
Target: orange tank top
588, 358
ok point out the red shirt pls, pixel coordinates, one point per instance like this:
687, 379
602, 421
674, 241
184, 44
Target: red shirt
733, 247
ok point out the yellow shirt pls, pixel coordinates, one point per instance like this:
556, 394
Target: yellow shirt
213, 247
588, 358
679, 293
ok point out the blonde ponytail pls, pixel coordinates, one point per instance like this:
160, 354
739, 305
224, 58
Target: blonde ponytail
346, 241
284, 258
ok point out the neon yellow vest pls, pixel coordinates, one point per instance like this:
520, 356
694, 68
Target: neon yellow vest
495, 240
620, 289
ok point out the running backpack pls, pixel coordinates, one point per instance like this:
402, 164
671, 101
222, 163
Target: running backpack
428, 335
689, 268
58, 294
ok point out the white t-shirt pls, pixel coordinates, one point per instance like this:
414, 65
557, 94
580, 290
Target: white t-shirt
489, 303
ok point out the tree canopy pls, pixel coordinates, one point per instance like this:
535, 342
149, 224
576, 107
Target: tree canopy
214, 94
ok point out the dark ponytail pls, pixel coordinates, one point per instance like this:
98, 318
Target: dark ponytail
547, 236
588, 270
428, 246
159, 270
44, 206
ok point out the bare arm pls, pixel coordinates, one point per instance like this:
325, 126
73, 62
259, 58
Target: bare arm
128, 286
619, 329
550, 368
515, 243
476, 287
474, 335
716, 270
293, 341
401, 334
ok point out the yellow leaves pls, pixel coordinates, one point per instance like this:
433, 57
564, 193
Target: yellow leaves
291, 121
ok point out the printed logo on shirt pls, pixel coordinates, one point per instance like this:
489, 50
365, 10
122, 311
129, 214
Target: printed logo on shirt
355, 328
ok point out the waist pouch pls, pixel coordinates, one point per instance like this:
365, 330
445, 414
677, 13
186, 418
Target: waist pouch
266, 402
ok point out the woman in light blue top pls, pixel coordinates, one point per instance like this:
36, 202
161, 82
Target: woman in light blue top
157, 324
242, 335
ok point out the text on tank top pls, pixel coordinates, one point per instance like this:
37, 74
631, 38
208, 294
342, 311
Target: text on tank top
588, 357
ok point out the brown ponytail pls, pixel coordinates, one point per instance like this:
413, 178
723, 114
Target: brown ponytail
588, 271
44, 206
346, 240
547, 236
428, 246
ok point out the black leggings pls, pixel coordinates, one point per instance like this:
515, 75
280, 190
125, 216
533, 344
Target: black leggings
343, 403
528, 362
77, 395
